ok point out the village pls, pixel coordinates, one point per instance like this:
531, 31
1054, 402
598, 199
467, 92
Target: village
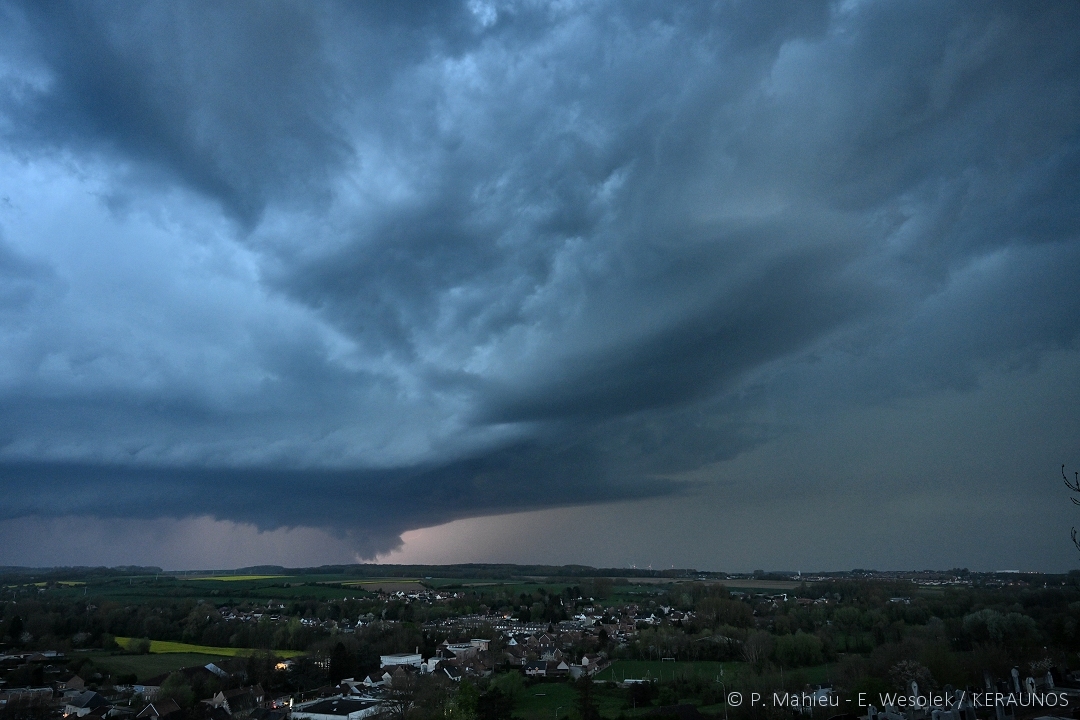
344, 649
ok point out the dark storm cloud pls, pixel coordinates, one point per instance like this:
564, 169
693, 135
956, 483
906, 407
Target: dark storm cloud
372, 507
420, 262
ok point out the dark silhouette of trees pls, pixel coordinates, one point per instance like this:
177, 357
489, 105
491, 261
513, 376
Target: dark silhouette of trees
494, 705
342, 664
1074, 487
586, 700
15, 629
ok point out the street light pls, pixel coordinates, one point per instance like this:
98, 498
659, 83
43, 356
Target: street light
557, 712
725, 697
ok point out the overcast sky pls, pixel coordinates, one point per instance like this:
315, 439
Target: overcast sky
727, 285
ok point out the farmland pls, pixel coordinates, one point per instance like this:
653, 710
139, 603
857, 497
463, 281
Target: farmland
237, 578
160, 647
689, 635
144, 667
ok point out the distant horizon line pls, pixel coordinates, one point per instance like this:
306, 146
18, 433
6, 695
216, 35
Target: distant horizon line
630, 571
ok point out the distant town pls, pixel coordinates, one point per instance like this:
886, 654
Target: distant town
495, 642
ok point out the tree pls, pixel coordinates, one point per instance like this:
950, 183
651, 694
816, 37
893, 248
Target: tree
15, 629
756, 649
905, 672
1010, 630
177, 688
341, 664
494, 705
1074, 486
642, 694
798, 650
259, 668
401, 696
511, 684
586, 700
463, 705
139, 646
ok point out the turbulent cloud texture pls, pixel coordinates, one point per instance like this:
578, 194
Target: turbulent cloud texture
375, 267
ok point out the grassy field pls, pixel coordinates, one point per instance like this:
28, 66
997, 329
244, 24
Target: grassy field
225, 588
661, 670
387, 586
764, 585
239, 578
163, 647
147, 666
218, 588
549, 701
546, 701
708, 670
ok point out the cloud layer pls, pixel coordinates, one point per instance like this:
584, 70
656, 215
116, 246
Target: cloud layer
379, 267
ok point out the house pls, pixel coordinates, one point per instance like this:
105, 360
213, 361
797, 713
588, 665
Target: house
515, 655
161, 710
377, 679
211, 667
26, 702
545, 644
148, 689
80, 705
553, 653
462, 650
558, 668
336, 709
72, 684
475, 668
240, 701
209, 712
350, 686
591, 664
205, 673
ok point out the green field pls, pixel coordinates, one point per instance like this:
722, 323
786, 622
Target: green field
546, 701
707, 670
551, 700
164, 647
666, 670
147, 666
221, 588
239, 578
215, 588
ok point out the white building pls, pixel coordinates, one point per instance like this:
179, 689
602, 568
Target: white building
336, 709
413, 659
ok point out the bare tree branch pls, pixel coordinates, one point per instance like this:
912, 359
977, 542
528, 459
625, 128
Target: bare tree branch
1074, 486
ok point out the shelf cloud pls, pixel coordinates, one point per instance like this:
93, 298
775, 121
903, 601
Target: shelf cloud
379, 267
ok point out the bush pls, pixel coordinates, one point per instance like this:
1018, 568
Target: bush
798, 650
139, 646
